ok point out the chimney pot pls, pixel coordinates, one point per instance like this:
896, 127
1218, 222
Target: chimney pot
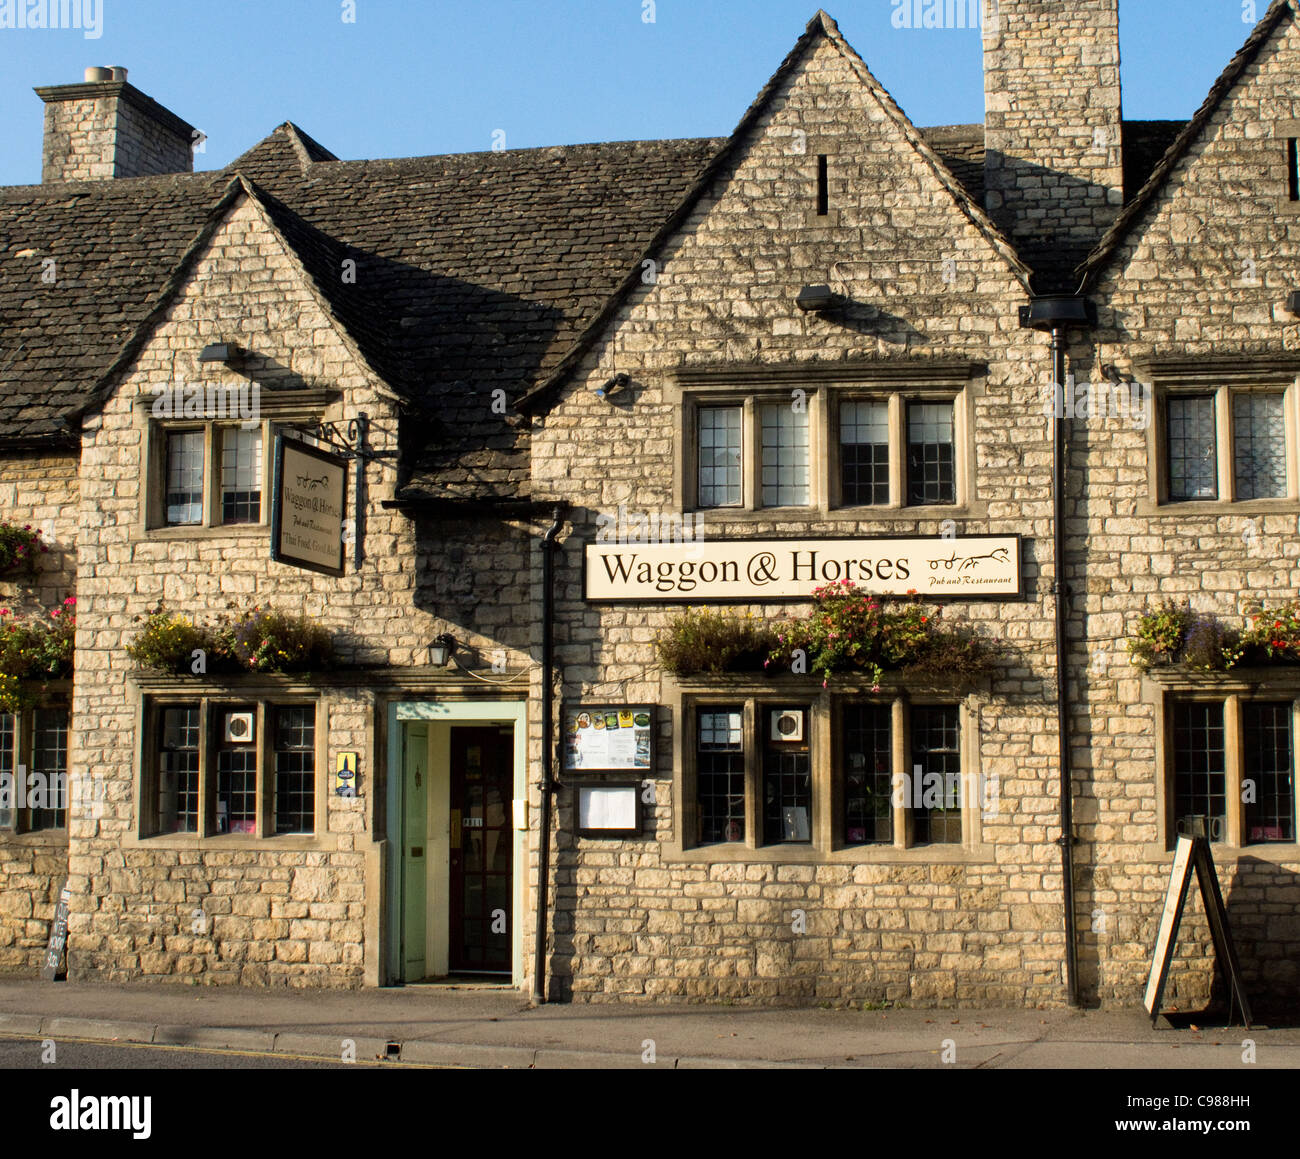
95, 75
119, 73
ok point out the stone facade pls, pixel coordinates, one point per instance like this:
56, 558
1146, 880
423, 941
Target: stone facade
825, 182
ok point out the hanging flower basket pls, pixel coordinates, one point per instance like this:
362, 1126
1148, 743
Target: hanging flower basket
20, 549
34, 651
260, 640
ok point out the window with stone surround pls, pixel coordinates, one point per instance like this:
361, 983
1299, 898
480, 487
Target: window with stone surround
868, 440
203, 473
220, 767
837, 776
209, 476
1224, 431
1231, 768
34, 769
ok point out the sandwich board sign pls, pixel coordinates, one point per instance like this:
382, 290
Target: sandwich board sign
1194, 852
58, 936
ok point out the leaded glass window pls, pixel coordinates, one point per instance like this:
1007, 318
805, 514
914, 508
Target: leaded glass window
185, 477
720, 775
1268, 787
1259, 446
1193, 457
241, 476
295, 769
1200, 780
936, 789
931, 471
719, 432
867, 779
785, 456
864, 453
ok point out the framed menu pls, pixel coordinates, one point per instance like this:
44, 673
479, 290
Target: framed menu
602, 739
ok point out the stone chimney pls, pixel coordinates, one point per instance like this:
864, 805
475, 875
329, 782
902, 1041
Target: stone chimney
107, 128
1054, 162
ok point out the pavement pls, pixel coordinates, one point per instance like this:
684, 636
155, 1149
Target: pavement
479, 1026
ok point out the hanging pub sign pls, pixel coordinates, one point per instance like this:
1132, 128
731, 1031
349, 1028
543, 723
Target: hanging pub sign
308, 507
751, 570
609, 739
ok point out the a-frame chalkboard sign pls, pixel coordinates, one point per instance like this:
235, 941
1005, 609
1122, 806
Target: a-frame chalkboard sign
1195, 851
54, 951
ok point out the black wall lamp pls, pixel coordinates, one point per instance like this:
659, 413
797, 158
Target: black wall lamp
219, 352
441, 650
616, 384
812, 298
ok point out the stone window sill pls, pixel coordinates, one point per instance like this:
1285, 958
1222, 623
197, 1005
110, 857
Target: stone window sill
1215, 508
194, 531
806, 515
39, 839
1279, 854
224, 842
858, 855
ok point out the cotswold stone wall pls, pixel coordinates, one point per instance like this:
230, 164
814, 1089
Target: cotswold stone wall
285, 911
1182, 286
37, 488
979, 928
101, 136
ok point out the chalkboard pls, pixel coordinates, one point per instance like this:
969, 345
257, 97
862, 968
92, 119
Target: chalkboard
1194, 852
58, 937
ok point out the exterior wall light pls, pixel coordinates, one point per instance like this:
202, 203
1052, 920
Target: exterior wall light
440, 651
813, 298
616, 384
219, 352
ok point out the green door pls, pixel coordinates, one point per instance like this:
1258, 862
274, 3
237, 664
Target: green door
415, 826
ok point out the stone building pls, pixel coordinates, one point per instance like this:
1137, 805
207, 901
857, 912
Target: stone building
573, 392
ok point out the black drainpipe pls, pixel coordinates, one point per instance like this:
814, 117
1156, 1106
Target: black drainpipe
548, 687
1060, 460
1057, 313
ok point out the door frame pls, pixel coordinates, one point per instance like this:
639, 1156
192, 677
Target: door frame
487, 712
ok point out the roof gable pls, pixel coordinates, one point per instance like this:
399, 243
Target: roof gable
821, 29
1279, 12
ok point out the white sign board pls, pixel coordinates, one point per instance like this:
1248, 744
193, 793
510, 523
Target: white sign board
744, 571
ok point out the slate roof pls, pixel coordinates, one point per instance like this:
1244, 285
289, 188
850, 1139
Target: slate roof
475, 272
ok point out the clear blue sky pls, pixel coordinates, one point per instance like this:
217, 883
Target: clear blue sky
412, 77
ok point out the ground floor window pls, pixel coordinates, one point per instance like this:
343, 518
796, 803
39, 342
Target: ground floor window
832, 774
34, 769
1232, 766
216, 767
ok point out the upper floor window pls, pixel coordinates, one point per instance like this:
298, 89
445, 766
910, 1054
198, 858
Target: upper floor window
1230, 445
823, 448
210, 476
1224, 429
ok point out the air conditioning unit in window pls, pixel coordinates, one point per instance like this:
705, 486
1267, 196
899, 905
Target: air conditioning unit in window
239, 727
787, 725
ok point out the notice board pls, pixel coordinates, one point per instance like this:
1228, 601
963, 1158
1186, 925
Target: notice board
608, 738
1194, 852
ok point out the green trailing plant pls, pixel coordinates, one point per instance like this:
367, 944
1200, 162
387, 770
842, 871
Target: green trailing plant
700, 641
260, 640
849, 630
20, 548
1176, 634
34, 650
846, 631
